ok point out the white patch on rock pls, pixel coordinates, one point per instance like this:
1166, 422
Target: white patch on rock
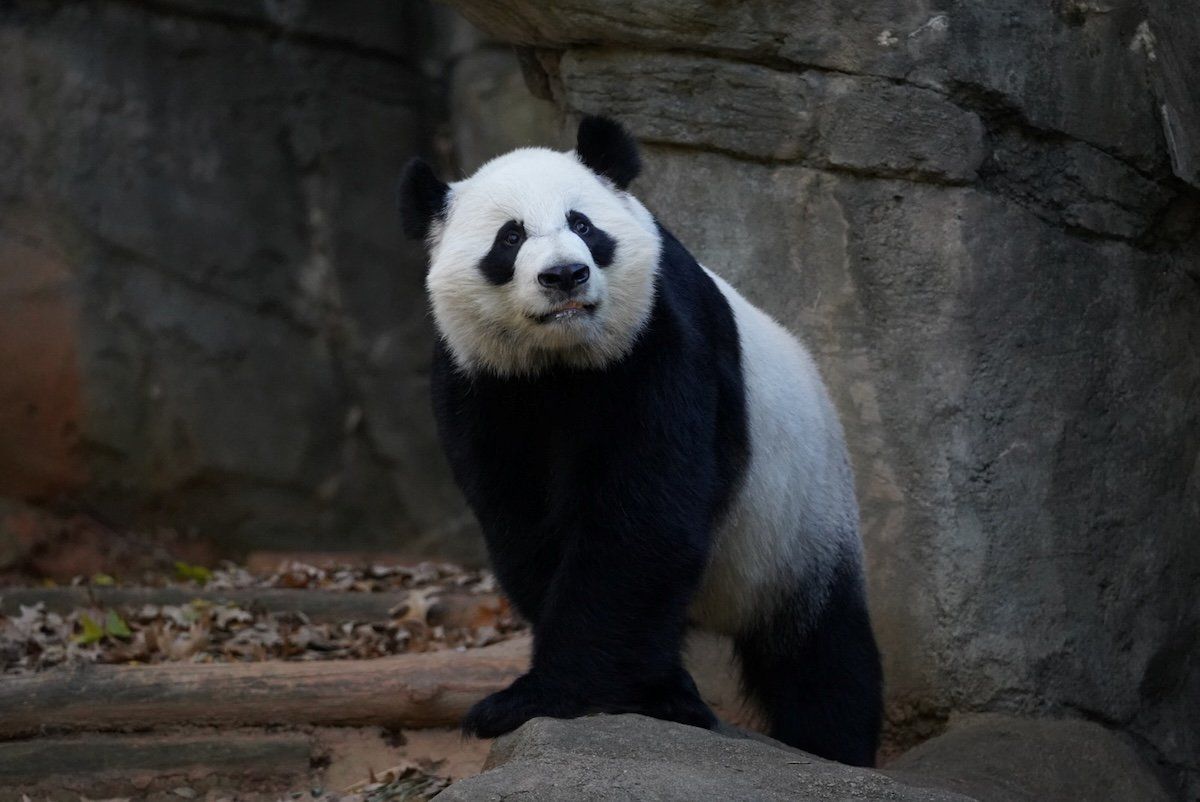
937, 24
1143, 41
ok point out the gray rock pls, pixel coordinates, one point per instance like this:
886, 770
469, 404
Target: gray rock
877, 127
967, 212
811, 33
996, 758
241, 329
401, 31
1077, 186
695, 100
634, 757
1169, 44
1094, 87
492, 111
821, 119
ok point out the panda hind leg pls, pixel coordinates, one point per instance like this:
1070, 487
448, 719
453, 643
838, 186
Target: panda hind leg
820, 685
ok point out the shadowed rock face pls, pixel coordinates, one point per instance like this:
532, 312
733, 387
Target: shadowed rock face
972, 214
209, 318
996, 757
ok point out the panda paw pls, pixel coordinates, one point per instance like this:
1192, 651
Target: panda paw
682, 703
686, 711
528, 697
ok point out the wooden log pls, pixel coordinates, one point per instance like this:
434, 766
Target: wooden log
431, 689
452, 608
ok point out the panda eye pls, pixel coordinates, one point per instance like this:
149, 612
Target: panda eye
512, 238
580, 226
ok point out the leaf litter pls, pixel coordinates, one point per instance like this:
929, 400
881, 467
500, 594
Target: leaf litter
204, 631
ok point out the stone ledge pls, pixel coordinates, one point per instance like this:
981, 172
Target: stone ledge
992, 758
634, 757
856, 123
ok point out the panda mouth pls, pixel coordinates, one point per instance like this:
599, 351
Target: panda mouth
568, 311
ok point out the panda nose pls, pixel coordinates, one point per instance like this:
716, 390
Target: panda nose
564, 277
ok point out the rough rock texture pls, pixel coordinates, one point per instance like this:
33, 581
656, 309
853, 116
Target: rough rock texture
979, 216
996, 758
1170, 39
208, 317
823, 119
491, 110
992, 758
633, 757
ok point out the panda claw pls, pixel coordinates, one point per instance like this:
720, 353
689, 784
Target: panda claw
504, 711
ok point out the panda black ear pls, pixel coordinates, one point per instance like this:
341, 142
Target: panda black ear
422, 198
607, 149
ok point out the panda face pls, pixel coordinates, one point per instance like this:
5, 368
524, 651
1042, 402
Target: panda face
537, 260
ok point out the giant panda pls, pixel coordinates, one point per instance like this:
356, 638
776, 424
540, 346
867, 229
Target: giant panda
644, 450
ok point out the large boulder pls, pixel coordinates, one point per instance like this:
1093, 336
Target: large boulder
979, 217
633, 757
998, 758
991, 758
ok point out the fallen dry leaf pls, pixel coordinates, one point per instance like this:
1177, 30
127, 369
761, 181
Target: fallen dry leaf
36, 639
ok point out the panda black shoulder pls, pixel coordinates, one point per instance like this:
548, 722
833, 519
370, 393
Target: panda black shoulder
688, 293
693, 322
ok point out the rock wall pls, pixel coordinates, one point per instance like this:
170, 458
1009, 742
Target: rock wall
983, 220
208, 317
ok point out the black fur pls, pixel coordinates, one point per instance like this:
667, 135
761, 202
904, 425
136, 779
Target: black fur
601, 245
608, 150
500, 261
422, 198
821, 686
598, 492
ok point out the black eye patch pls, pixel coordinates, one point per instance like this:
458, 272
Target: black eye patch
597, 240
498, 264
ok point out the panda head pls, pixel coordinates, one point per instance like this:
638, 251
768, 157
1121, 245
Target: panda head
540, 258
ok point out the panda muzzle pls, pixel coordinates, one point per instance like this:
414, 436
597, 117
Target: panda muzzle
571, 309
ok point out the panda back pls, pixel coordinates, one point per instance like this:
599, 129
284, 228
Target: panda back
794, 519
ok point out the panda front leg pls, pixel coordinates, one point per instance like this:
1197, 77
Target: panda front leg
609, 634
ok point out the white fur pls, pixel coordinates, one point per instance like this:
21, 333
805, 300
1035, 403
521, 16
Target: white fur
489, 327
795, 515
